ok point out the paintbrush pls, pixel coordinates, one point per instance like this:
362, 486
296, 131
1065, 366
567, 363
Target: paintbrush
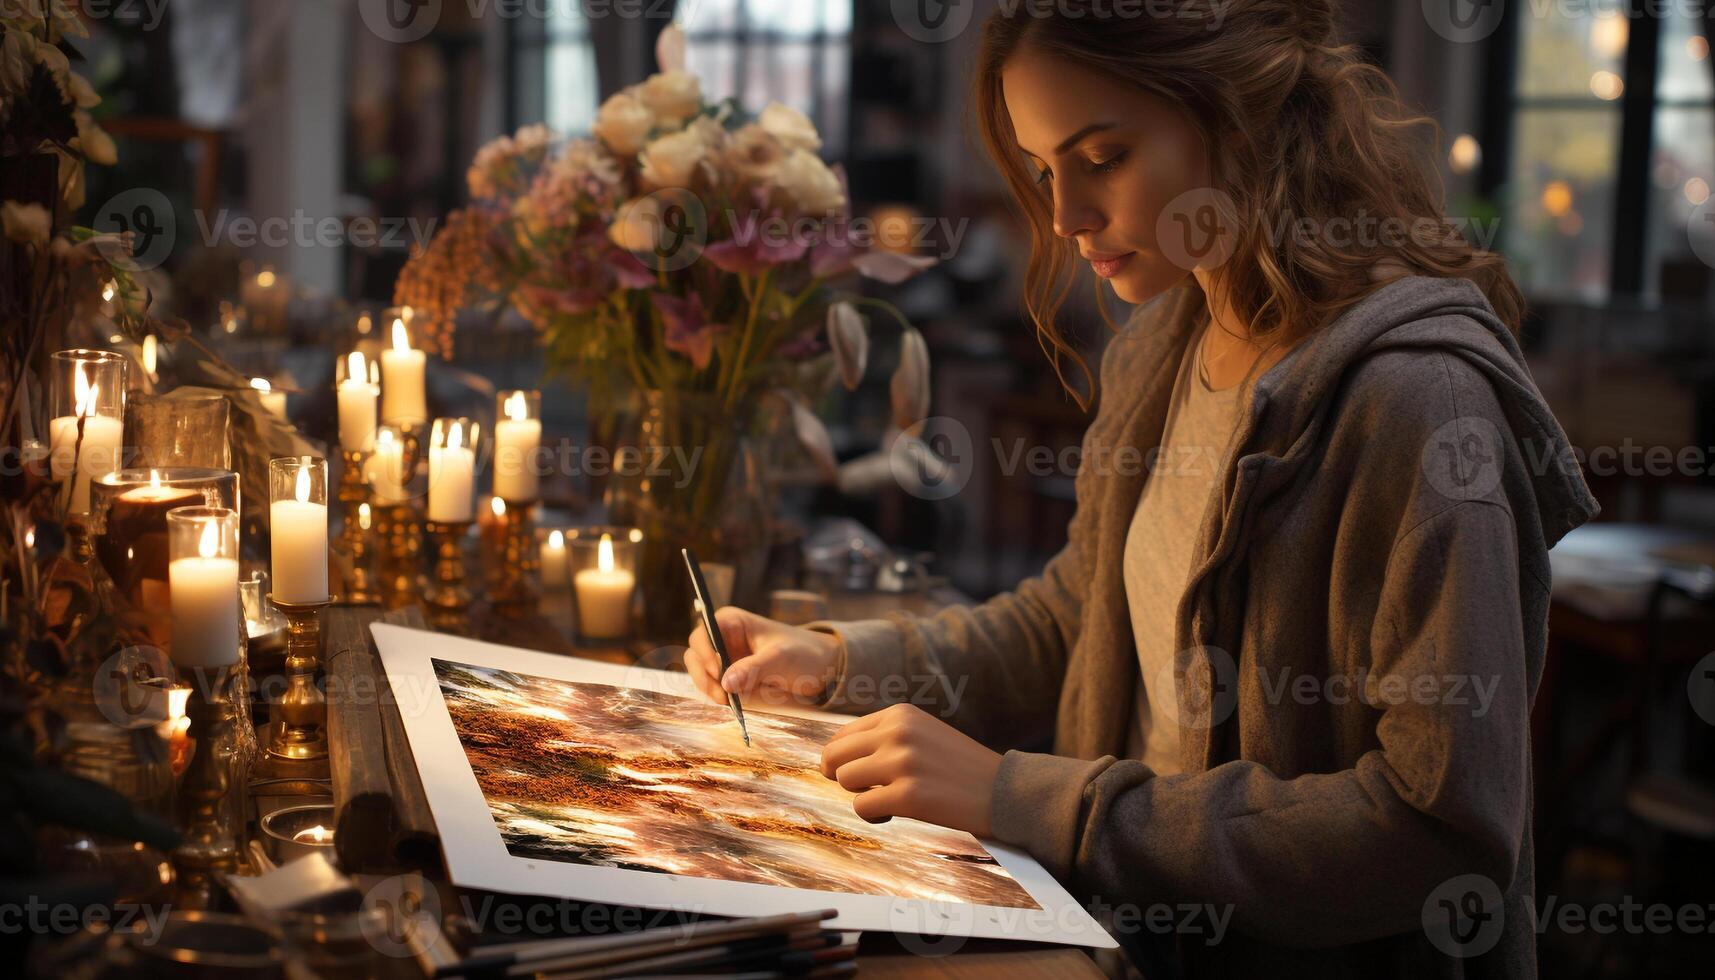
706, 606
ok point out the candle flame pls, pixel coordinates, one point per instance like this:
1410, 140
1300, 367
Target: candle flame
261, 384
303, 487
154, 479
108, 290
85, 394
209, 546
151, 353
455, 436
557, 541
177, 697
516, 409
355, 369
401, 339
384, 438
363, 519
30, 538
498, 506
265, 278
313, 835
604, 553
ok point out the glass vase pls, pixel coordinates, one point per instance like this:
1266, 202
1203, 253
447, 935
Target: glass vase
687, 473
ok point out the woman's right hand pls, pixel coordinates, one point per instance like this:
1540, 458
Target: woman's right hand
771, 662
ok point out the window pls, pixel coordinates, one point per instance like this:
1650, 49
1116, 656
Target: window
791, 51
554, 68
1613, 134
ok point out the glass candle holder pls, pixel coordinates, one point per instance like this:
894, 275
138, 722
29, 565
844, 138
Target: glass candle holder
298, 519
517, 437
387, 469
180, 428
554, 558
603, 566
298, 831
358, 388
203, 545
404, 399
128, 517
86, 434
452, 471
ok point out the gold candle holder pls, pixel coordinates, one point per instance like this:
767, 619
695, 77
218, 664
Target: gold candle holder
355, 529
520, 558
301, 732
207, 818
448, 596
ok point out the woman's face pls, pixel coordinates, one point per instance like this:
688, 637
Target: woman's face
1111, 159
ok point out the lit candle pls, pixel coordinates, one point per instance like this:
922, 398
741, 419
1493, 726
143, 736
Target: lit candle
385, 468
317, 835
204, 586
554, 567
604, 596
273, 401
133, 545
517, 436
97, 452
452, 474
402, 398
357, 393
299, 530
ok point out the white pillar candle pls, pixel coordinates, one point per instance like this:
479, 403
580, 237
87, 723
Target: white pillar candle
300, 546
555, 561
97, 456
205, 606
402, 395
452, 479
357, 406
604, 596
516, 439
385, 468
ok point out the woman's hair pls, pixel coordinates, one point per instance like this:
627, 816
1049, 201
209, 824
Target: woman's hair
1300, 131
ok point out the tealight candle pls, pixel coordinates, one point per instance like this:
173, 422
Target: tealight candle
203, 543
87, 431
298, 514
452, 471
403, 401
358, 391
604, 587
273, 401
517, 436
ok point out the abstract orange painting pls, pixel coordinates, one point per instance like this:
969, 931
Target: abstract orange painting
641, 780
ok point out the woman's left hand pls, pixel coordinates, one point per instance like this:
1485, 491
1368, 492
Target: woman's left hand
902, 761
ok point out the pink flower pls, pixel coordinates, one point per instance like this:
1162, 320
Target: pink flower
687, 332
758, 240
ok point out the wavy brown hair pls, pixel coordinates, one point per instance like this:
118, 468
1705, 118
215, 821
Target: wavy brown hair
1298, 127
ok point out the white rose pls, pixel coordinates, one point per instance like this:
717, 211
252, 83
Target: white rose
792, 128
754, 154
672, 160
808, 180
673, 96
623, 123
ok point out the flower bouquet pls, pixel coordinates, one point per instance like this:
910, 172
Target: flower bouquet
682, 262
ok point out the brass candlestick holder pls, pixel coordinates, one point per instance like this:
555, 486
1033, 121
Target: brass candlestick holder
515, 586
361, 587
210, 813
402, 557
448, 597
301, 734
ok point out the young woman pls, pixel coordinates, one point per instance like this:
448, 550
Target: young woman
1285, 663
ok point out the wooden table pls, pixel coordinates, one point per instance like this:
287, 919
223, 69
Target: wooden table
880, 954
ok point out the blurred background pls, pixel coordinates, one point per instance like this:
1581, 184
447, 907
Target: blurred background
1581, 136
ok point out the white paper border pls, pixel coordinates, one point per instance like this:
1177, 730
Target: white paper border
477, 857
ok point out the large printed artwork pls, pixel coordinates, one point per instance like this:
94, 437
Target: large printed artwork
645, 781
